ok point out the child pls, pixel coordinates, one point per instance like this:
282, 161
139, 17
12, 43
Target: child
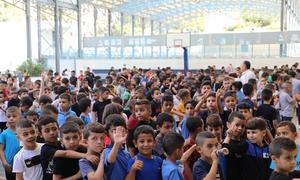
287, 103
100, 104
207, 166
33, 116
236, 87
9, 144
14, 100
51, 110
3, 106
248, 92
25, 104
236, 145
120, 88
283, 152
64, 167
64, 110
48, 128
144, 165
211, 105
257, 161
245, 109
27, 163
189, 112
184, 95
215, 125
164, 124
85, 108
94, 138
155, 103
115, 155
167, 106
230, 101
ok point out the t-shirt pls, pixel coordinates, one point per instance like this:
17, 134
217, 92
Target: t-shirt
11, 145
297, 168
156, 108
28, 162
98, 107
296, 86
62, 116
3, 111
171, 171
249, 102
201, 169
158, 149
87, 167
193, 157
86, 119
151, 167
279, 176
267, 112
184, 130
14, 102
76, 109
286, 108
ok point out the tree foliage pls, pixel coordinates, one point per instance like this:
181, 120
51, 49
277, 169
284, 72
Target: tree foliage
33, 67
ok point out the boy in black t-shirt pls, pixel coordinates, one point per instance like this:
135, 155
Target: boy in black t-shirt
100, 104
155, 103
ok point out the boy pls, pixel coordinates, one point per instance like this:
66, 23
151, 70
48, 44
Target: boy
33, 116
257, 161
167, 106
189, 112
155, 103
64, 167
3, 106
207, 165
64, 110
115, 155
164, 124
93, 134
14, 101
287, 103
120, 88
85, 108
144, 165
215, 125
27, 164
48, 128
236, 145
283, 152
9, 144
245, 110
248, 91
236, 87
184, 95
25, 104
51, 110
100, 104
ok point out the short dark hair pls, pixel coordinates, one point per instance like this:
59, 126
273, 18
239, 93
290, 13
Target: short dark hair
102, 89
206, 83
49, 109
289, 124
26, 101
76, 120
154, 89
13, 109
44, 120
229, 94
171, 142
93, 127
256, 124
84, 103
114, 120
65, 96
202, 136
243, 105
167, 98
31, 113
266, 94
193, 123
281, 143
143, 129
45, 99
235, 115
191, 102
214, 120
247, 89
183, 93
164, 117
145, 102
25, 123
238, 85
69, 127
247, 64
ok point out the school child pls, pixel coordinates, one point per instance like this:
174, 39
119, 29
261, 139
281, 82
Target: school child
211, 106
14, 99
100, 104
204, 88
9, 144
48, 128
184, 95
115, 155
245, 109
121, 88
248, 92
236, 87
283, 152
64, 110
164, 124
155, 103
126, 95
144, 165
33, 116
43, 101
64, 167
172, 166
3, 107
215, 125
93, 134
85, 107
189, 112
256, 162
75, 106
194, 126
25, 104
27, 164
236, 145
51, 110
167, 106
287, 103
230, 102
207, 166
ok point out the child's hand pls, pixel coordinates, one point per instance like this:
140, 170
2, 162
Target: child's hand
214, 155
220, 91
93, 159
120, 135
7, 168
137, 165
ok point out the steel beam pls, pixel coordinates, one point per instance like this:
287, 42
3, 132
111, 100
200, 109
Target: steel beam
28, 29
57, 46
79, 53
39, 32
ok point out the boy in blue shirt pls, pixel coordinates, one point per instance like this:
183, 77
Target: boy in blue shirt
144, 165
189, 108
9, 144
85, 108
64, 110
115, 156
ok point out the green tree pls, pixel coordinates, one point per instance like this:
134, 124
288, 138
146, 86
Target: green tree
33, 67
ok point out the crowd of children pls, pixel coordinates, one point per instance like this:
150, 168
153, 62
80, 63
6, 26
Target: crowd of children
152, 124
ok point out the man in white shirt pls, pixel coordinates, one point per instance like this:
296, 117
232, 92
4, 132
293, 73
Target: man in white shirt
246, 72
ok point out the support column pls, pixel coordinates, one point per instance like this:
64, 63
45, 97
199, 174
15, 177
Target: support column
38, 14
283, 19
132, 32
151, 26
60, 31
28, 29
122, 34
79, 53
109, 31
160, 31
57, 50
143, 33
95, 26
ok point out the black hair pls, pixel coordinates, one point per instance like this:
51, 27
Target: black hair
49, 109
61, 90
234, 115
275, 77
102, 89
248, 89
76, 120
31, 113
25, 123
266, 94
243, 105
192, 102
22, 90
117, 100
80, 95
214, 120
193, 123
114, 120
93, 127
143, 129
44, 120
247, 64
206, 83
142, 102
164, 117
26, 101
253, 82
289, 124
257, 123
238, 85
84, 103
44, 99
65, 96
154, 89
167, 98
229, 94
202, 136
281, 143
69, 127
65, 80
171, 142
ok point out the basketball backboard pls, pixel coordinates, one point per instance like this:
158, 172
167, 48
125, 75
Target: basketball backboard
178, 39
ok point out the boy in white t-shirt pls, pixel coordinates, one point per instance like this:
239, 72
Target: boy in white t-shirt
27, 164
3, 106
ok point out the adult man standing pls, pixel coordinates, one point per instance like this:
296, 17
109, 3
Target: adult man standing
246, 72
